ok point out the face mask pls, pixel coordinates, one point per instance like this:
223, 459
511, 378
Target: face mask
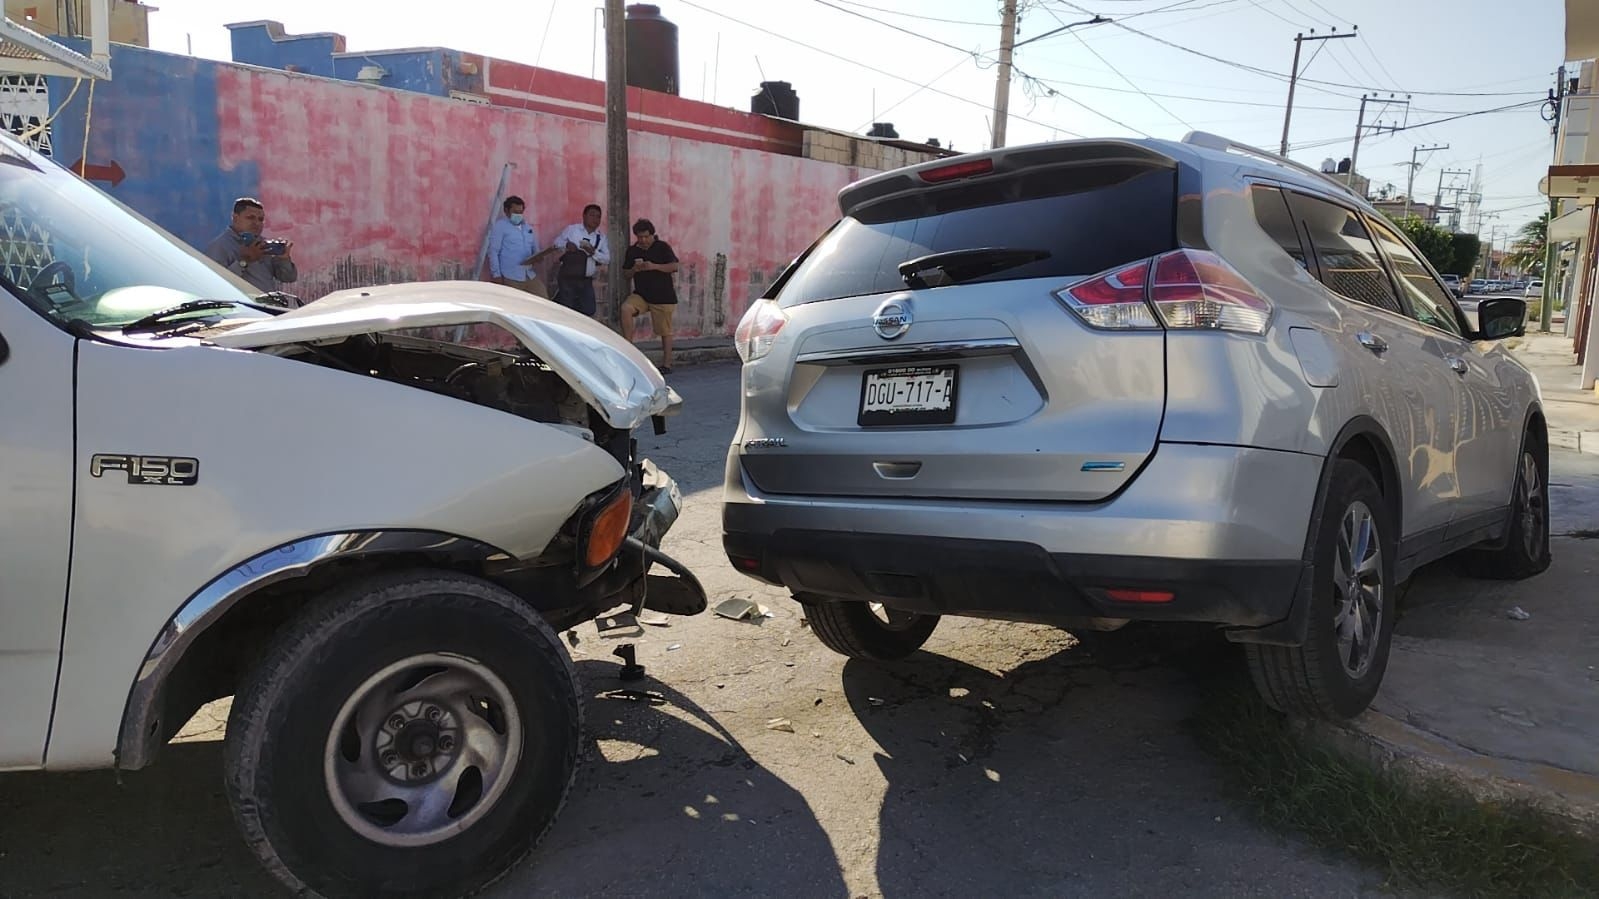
516, 218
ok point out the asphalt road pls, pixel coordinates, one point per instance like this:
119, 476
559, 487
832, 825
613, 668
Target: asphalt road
1003, 760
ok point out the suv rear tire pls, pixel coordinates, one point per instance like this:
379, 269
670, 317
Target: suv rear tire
1337, 671
351, 749
1526, 549
854, 629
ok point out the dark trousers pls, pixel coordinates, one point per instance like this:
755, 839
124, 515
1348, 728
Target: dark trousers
576, 294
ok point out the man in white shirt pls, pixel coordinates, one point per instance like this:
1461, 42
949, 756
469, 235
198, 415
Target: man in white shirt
583, 249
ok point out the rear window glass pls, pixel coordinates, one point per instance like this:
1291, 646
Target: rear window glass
1088, 219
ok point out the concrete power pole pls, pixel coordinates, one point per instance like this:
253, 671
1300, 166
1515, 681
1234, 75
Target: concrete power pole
1438, 198
1007, 43
1547, 311
1410, 185
1293, 79
1360, 128
616, 150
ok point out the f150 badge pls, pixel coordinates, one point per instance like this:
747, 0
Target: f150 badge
161, 471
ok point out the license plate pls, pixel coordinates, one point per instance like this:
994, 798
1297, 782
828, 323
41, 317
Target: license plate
921, 395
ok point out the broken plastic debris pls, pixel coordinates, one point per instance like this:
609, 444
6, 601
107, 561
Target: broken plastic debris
737, 608
787, 641
817, 734
674, 647
782, 724
648, 696
655, 620
1518, 613
874, 700
843, 758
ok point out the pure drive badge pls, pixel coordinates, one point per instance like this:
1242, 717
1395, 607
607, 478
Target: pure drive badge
161, 471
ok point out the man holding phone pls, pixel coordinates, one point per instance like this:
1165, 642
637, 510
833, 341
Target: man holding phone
583, 249
240, 248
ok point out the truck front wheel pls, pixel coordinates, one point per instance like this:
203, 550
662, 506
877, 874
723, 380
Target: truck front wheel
410, 734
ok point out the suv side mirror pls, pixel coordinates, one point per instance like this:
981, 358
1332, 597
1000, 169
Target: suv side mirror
1501, 317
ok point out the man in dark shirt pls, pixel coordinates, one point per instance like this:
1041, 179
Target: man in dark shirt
650, 262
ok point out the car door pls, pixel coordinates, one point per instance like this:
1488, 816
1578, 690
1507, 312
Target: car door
1487, 439
35, 519
1397, 365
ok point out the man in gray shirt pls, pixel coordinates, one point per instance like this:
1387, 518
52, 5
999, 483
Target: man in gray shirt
241, 249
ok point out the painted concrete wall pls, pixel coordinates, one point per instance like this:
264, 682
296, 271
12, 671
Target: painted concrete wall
377, 185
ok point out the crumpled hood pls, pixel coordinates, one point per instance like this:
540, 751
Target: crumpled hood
608, 372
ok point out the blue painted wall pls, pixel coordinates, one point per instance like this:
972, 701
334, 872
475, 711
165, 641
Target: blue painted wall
255, 45
156, 119
430, 70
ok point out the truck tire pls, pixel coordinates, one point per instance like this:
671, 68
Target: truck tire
1336, 673
856, 630
410, 734
1526, 549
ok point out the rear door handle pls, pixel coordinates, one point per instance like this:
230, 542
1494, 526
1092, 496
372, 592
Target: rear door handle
1372, 342
1458, 364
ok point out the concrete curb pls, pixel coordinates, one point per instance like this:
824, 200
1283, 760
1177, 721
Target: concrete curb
1569, 799
697, 351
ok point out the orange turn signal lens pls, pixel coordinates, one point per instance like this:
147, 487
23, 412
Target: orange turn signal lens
609, 530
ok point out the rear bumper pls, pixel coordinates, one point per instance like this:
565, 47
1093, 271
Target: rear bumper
1220, 528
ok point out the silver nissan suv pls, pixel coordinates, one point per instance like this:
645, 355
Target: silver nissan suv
1101, 381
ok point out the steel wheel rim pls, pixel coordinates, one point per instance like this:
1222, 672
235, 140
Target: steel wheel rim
893, 619
1532, 505
1358, 593
399, 761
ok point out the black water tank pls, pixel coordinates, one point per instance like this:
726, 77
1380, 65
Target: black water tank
651, 49
776, 98
882, 129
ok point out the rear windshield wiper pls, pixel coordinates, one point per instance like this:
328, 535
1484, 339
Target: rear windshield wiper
161, 315
956, 266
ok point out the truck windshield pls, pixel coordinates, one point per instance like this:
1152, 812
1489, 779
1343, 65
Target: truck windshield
71, 253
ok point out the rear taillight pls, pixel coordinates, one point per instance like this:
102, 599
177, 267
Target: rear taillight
758, 329
1186, 289
1198, 289
1113, 300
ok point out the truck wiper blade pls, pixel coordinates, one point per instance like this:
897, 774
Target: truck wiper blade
963, 265
161, 315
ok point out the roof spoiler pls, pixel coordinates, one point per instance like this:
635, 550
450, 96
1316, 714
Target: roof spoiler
996, 164
1208, 141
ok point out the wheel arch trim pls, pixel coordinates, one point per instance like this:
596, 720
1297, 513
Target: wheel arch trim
136, 739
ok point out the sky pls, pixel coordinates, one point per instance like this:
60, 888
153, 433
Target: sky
1159, 68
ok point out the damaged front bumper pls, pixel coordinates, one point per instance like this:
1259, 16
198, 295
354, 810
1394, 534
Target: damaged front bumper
659, 504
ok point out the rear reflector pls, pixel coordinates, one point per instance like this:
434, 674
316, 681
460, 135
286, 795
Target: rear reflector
1140, 595
958, 170
1187, 289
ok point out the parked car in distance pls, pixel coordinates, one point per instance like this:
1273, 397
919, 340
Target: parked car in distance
1104, 381
1534, 289
1478, 285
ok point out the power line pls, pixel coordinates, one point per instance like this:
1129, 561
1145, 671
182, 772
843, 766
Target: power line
1101, 58
855, 62
1058, 82
907, 97
1277, 15
912, 15
1301, 12
1051, 92
1310, 145
915, 34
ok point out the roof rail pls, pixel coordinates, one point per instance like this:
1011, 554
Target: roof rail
1217, 142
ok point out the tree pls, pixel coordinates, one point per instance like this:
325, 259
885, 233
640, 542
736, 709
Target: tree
1464, 256
1527, 251
1434, 242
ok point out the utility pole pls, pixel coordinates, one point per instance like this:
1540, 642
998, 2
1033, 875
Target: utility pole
616, 150
1438, 198
1410, 185
1299, 40
1007, 43
1558, 98
1360, 127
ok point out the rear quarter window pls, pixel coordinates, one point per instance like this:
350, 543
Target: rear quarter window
1089, 218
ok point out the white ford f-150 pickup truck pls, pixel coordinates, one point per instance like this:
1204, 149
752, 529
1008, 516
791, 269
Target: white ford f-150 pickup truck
365, 519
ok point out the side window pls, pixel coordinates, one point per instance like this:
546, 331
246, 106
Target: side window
1271, 213
1429, 300
1350, 265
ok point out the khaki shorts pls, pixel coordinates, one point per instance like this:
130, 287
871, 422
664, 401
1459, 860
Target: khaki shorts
533, 286
660, 313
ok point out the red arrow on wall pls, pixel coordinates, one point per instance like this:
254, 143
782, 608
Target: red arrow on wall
112, 173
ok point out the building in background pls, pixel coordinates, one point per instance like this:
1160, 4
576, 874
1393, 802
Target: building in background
1573, 182
130, 19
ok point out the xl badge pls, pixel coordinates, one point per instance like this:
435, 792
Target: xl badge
161, 471
892, 319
